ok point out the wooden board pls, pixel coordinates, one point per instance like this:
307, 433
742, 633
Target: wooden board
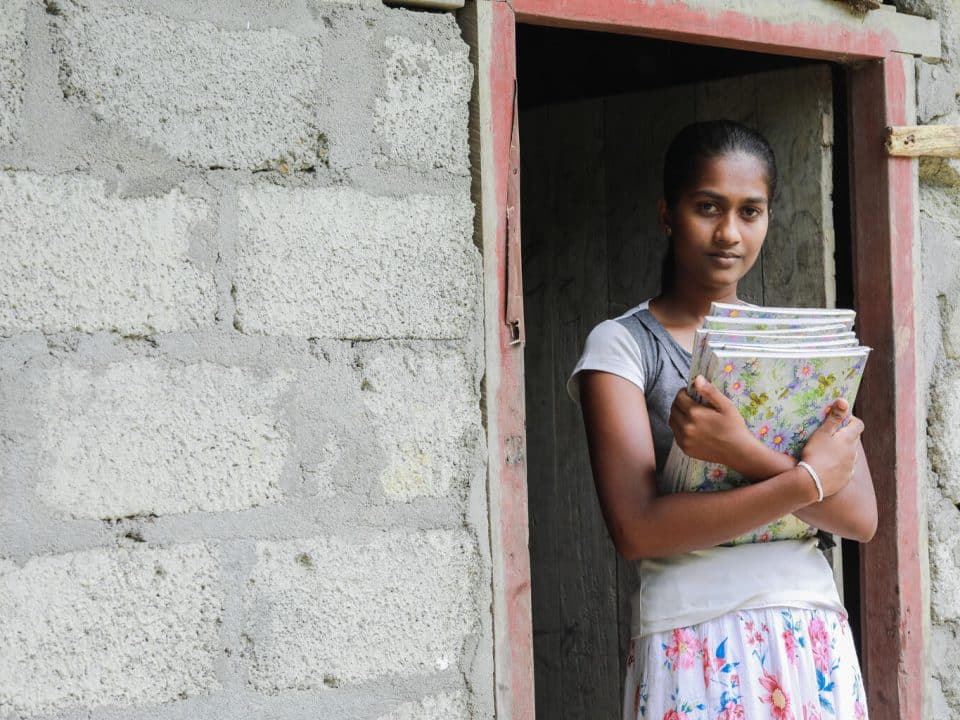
537, 189
923, 140
573, 566
636, 138
798, 263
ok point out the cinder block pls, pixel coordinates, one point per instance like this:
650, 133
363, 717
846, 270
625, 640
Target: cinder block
332, 611
937, 89
208, 96
13, 48
938, 171
146, 437
445, 706
425, 406
950, 317
422, 116
121, 626
944, 536
944, 442
76, 259
943, 682
339, 263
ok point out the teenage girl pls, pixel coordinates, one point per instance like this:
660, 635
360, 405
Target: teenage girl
720, 632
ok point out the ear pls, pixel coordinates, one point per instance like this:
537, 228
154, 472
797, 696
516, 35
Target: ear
663, 215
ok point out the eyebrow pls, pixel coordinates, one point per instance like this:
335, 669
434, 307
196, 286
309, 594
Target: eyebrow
718, 196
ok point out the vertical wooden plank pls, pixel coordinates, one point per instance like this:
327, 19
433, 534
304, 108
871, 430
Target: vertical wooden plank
573, 561
795, 113
589, 646
639, 126
539, 194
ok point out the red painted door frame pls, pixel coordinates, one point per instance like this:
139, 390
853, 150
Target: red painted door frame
884, 222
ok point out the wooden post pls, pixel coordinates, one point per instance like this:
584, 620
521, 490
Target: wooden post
490, 27
884, 223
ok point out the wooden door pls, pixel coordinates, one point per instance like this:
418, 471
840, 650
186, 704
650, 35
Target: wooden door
591, 175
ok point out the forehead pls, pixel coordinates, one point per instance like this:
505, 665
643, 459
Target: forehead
733, 175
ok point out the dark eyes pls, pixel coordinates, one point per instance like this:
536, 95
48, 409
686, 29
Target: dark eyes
711, 208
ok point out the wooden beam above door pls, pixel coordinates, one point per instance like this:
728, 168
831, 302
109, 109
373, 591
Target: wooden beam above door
803, 28
924, 141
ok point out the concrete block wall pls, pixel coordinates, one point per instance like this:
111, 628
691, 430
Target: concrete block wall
938, 103
242, 460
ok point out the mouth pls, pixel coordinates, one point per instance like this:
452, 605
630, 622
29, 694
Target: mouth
723, 260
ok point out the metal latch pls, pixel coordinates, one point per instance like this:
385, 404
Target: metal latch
513, 316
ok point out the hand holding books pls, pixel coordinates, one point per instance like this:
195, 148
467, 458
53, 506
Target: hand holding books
711, 429
781, 369
832, 449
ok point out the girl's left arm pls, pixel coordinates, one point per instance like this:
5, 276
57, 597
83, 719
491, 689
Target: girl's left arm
850, 513
705, 431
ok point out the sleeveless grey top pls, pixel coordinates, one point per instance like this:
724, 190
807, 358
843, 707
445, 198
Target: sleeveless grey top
666, 366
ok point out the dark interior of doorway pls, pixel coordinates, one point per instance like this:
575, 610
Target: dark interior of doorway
573, 208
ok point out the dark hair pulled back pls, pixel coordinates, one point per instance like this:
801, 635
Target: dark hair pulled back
701, 141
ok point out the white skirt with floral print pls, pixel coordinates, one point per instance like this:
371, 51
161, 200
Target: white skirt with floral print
769, 663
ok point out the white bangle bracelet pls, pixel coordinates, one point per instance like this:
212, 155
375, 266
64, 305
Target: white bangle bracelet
816, 479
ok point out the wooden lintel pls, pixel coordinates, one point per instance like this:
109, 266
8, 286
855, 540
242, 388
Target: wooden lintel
427, 4
924, 140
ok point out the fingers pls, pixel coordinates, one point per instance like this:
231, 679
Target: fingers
854, 428
678, 426
709, 392
838, 411
682, 403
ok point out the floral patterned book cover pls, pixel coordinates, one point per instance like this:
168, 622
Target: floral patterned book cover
783, 387
803, 337
731, 310
717, 322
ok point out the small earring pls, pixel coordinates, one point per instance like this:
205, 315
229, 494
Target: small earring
669, 231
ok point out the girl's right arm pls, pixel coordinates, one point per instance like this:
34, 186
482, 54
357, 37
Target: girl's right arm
643, 523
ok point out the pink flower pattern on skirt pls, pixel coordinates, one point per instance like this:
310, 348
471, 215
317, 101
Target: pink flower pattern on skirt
764, 664
683, 649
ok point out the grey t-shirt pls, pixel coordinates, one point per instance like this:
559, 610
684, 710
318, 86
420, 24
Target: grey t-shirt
637, 347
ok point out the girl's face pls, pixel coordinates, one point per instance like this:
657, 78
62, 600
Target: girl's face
719, 222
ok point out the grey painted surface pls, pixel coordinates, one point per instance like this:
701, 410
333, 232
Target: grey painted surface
592, 248
242, 453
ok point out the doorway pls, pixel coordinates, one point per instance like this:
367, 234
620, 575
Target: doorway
596, 112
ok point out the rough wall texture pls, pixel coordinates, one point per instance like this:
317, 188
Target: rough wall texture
241, 446
938, 103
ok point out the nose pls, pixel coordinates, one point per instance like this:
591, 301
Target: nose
726, 232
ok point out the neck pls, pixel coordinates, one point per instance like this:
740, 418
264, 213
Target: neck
694, 301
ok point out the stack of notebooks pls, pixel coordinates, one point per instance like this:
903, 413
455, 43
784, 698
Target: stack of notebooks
782, 368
